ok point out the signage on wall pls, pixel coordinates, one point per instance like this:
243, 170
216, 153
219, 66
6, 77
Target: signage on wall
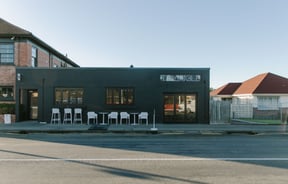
180, 78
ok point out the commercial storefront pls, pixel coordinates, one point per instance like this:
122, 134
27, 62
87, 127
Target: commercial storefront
177, 95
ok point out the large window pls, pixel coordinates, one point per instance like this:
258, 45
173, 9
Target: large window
6, 93
68, 96
179, 107
6, 53
268, 102
120, 96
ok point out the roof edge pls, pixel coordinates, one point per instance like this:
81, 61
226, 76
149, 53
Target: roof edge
18, 32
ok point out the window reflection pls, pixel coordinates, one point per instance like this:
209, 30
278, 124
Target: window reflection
68, 96
120, 96
180, 107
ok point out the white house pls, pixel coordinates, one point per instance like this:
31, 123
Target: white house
263, 96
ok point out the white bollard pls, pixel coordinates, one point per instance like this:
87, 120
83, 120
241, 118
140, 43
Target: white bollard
154, 129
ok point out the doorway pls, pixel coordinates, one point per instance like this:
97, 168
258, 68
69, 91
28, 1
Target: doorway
33, 104
180, 108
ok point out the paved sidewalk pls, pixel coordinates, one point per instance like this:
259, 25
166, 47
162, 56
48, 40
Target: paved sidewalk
36, 127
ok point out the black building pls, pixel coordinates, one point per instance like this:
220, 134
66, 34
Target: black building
178, 95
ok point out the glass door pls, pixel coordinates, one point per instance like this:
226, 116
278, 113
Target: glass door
33, 104
179, 107
169, 107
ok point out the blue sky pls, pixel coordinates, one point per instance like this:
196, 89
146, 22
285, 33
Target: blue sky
236, 39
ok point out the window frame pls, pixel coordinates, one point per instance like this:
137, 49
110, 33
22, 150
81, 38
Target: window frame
120, 96
268, 102
5, 51
8, 97
34, 57
68, 96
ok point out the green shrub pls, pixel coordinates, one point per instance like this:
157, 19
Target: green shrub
7, 108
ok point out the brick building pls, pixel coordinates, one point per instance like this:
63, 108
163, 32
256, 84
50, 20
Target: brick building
20, 48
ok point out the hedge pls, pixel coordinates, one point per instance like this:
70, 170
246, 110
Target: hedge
7, 108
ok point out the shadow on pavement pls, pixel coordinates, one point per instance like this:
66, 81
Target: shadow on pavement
132, 174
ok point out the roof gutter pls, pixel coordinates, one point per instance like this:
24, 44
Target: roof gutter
41, 43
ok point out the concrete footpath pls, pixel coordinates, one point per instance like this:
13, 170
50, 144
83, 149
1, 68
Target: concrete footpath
244, 128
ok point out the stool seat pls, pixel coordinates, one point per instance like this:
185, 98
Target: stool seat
67, 115
77, 115
55, 116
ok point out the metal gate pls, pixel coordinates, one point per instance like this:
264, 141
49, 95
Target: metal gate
220, 111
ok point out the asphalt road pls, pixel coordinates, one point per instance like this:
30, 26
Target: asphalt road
143, 158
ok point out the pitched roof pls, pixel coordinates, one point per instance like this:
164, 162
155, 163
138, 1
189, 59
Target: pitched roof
227, 89
9, 29
266, 83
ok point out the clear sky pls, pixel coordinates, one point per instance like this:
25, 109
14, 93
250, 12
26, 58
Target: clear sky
236, 39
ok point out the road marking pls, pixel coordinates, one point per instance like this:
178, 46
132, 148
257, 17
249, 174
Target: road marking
137, 159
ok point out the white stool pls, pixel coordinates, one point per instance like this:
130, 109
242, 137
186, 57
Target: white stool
67, 115
77, 115
55, 117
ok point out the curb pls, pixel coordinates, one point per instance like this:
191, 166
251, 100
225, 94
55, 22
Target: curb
190, 132
173, 129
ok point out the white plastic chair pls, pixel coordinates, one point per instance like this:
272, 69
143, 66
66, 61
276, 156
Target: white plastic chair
55, 116
92, 116
124, 116
111, 116
77, 115
67, 115
143, 116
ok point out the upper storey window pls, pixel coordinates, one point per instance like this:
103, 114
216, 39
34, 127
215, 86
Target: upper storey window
6, 53
34, 59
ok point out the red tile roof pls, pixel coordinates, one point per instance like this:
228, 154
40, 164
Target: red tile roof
227, 89
266, 83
